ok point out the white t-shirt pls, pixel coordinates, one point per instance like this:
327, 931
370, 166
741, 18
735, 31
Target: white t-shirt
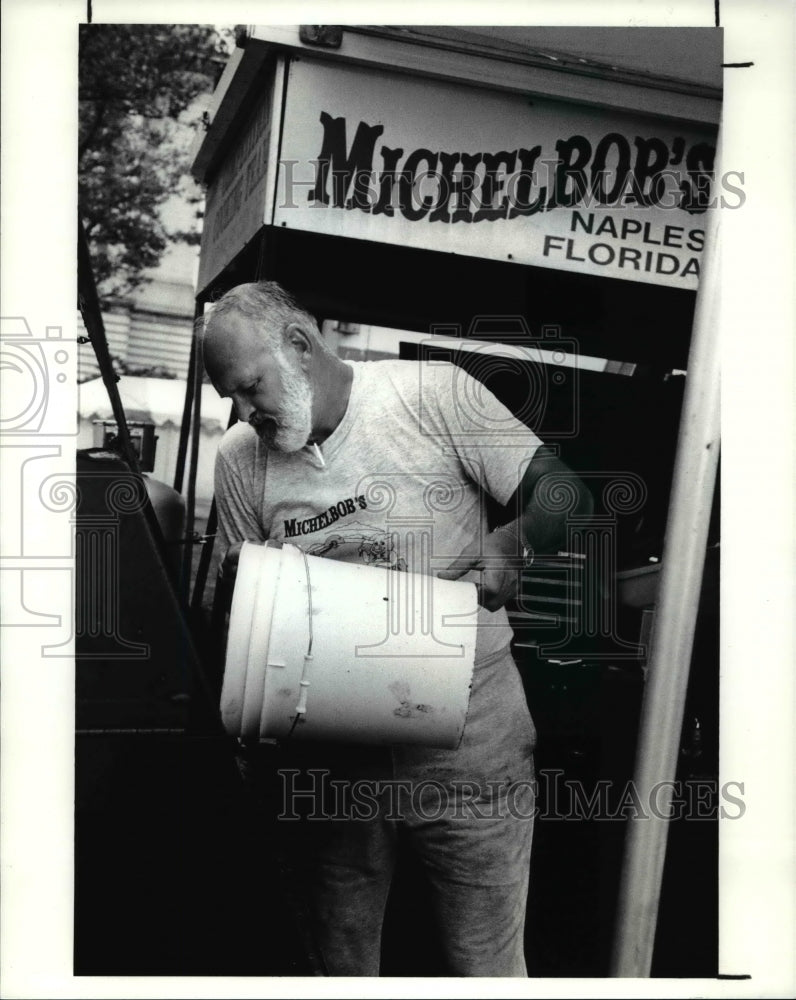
403, 480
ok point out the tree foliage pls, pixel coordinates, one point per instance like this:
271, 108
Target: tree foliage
137, 91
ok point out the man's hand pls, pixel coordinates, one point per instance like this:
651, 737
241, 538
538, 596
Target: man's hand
229, 567
496, 561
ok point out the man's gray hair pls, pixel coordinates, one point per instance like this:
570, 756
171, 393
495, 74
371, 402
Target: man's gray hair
268, 304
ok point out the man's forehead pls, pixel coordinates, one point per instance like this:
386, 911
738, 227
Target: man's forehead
230, 359
235, 326
233, 335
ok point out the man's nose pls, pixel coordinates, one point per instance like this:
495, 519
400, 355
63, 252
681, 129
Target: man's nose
243, 408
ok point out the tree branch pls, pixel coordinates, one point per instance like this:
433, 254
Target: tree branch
85, 144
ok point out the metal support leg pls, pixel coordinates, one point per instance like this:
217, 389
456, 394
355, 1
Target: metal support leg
674, 624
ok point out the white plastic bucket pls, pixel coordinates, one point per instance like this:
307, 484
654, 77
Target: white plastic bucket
383, 657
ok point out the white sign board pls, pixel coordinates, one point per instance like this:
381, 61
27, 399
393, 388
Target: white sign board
382, 156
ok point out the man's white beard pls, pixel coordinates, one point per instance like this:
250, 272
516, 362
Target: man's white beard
294, 421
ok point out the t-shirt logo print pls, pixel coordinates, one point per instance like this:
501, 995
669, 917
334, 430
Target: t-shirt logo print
295, 526
360, 541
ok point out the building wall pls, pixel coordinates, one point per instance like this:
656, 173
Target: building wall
153, 328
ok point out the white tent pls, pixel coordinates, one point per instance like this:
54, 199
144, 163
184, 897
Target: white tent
159, 401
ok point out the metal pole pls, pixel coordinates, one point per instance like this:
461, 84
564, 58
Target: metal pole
672, 637
185, 426
190, 514
206, 553
88, 301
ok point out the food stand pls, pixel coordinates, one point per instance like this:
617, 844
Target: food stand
534, 202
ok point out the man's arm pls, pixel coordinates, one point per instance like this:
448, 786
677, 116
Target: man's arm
540, 525
237, 519
550, 493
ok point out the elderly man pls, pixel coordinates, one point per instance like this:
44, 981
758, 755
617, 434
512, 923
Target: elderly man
345, 460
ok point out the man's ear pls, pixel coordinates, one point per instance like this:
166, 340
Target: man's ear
295, 339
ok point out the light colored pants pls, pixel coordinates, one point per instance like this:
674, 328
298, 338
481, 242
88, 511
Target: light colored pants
467, 814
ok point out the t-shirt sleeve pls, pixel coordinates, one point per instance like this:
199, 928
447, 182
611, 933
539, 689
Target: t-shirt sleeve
237, 516
493, 446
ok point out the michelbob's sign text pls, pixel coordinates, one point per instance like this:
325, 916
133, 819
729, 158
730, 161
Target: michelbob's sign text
380, 156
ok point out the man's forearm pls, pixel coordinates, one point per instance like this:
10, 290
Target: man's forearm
549, 496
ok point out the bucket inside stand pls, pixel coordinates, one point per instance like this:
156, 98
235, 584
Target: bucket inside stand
325, 650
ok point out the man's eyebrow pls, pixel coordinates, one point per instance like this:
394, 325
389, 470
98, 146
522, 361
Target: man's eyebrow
241, 384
